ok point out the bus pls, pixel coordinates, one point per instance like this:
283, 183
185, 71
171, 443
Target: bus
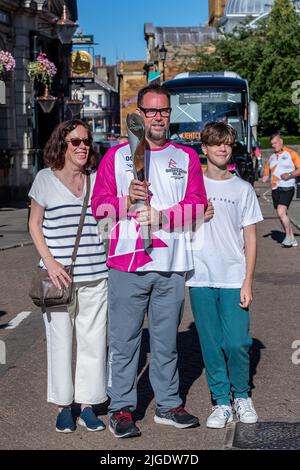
198, 98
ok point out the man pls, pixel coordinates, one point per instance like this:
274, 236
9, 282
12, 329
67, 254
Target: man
283, 167
151, 280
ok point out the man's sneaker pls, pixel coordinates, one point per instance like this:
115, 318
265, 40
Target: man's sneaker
177, 417
221, 415
65, 421
89, 420
245, 410
121, 424
289, 242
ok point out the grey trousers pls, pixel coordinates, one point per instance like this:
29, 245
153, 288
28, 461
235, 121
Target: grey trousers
130, 296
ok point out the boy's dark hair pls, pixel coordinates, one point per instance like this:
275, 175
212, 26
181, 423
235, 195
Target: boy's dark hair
154, 88
217, 133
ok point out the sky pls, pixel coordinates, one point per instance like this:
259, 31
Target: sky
118, 25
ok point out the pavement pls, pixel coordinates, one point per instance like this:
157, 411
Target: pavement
14, 226
27, 421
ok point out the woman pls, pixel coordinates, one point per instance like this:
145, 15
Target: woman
57, 196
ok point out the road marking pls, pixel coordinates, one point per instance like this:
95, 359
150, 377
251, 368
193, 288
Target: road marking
2, 352
17, 320
264, 195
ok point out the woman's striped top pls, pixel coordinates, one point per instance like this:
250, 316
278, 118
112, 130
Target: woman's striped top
60, 224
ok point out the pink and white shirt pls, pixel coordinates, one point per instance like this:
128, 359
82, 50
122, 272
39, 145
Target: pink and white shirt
176, 189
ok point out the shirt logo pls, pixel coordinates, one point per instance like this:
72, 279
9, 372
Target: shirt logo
176, 173
172, 163
129, 164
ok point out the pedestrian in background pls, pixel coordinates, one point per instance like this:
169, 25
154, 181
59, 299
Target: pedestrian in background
221, 283
57, 196
282, 168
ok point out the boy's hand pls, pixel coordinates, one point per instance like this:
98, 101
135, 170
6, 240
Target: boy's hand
246, 294
209, 212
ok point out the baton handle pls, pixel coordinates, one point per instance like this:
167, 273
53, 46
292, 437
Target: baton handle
145, 229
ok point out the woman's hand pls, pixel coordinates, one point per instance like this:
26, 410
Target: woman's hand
57, 274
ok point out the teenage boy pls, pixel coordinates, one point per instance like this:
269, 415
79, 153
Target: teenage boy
221, 283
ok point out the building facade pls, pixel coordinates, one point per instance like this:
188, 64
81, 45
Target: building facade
216, 11
26, 30
101, 108
236, 11
181, 44
132, 78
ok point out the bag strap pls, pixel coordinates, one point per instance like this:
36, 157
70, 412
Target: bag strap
81, 221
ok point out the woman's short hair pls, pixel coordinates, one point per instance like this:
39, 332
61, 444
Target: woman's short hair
217, 133
55, 148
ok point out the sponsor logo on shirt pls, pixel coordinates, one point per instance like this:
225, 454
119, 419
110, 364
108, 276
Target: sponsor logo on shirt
129, 164
221, 199
176, 173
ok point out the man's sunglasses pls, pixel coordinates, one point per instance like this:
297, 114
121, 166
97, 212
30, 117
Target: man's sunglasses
152, 112
76, 142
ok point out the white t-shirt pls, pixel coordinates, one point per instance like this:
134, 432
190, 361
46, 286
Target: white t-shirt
221, 261
176, 183
60, 225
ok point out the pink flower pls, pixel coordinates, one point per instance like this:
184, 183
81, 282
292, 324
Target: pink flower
7, 61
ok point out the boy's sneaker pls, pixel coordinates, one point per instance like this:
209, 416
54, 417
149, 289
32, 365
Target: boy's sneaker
177, 417
221, 415
121, 424
65, 421
289, 242
245, 410
89, 420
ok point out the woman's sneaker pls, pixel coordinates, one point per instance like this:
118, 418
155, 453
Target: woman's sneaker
245, 410
89, 420
65, 421
221, 415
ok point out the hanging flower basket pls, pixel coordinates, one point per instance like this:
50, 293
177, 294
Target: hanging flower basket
42, 70
7, 63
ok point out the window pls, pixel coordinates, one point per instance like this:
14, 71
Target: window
87, 101
100, 101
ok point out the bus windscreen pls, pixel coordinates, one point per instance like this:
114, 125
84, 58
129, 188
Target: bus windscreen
193, 109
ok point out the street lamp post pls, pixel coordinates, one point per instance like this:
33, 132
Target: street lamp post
75, 105
163, 56
65, 30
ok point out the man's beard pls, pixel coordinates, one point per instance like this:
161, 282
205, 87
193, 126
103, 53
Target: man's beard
156, 137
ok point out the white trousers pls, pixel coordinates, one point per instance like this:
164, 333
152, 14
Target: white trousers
88, 315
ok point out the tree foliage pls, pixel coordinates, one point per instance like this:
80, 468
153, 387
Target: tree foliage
268, 57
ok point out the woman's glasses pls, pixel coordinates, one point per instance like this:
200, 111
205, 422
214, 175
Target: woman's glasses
76, 142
